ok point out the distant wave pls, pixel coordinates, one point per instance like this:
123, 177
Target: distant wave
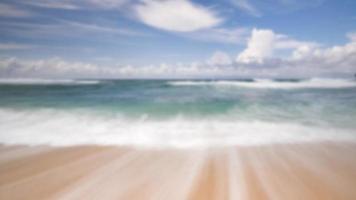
62, 128
273, 84
47, 82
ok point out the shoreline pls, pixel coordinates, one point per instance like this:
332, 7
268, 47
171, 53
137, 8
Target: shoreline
281, 171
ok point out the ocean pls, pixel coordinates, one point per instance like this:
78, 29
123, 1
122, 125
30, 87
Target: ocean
177, 113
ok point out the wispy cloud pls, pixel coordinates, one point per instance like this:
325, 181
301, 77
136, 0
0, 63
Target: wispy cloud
220, 35
78, 4
176, 15
53, 4
246, 6
65, 28
7, 10
90, 27
259, 8
15, 46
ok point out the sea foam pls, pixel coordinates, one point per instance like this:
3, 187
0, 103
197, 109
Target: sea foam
63, 128
272, 84
47, 82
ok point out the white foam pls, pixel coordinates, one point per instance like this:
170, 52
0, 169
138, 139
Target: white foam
62, 128
268, 83
47, 82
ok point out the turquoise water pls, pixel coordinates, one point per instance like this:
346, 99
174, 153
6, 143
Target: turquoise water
200, 112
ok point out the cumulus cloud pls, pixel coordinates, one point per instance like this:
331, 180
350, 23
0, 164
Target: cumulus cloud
263, 42
220, 58
304, 61
13, 67
337, 58
260, 46
351, 36
176, 15
60, 68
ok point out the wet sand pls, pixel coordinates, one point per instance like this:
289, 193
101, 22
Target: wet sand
293, 171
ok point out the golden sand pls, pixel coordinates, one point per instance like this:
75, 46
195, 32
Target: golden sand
294, 171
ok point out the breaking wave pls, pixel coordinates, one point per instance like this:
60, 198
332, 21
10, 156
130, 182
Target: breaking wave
272, 83
62, 128
47, 82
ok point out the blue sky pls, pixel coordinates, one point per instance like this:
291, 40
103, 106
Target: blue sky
177, 38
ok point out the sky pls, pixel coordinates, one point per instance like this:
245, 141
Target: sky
177, 38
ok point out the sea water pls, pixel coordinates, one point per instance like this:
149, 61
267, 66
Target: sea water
176, 113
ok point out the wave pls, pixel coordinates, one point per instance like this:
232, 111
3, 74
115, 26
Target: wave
47, 82
272, 84
62, 128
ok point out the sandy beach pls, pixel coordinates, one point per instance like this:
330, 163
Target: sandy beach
294, 171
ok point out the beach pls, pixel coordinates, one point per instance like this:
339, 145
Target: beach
288, 171
168, 139
177, 100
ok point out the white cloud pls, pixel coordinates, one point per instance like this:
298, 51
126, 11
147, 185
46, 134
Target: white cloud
258, 8
220, 58
78, 4
67, 29
59, 68
55, 67
220, 35
340, 58
305, 61
259, 46
245, 5
53, 4
107, 3
302, 52
176, 15
263, 42
14, 46
351, 36
87, 27
310, 60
